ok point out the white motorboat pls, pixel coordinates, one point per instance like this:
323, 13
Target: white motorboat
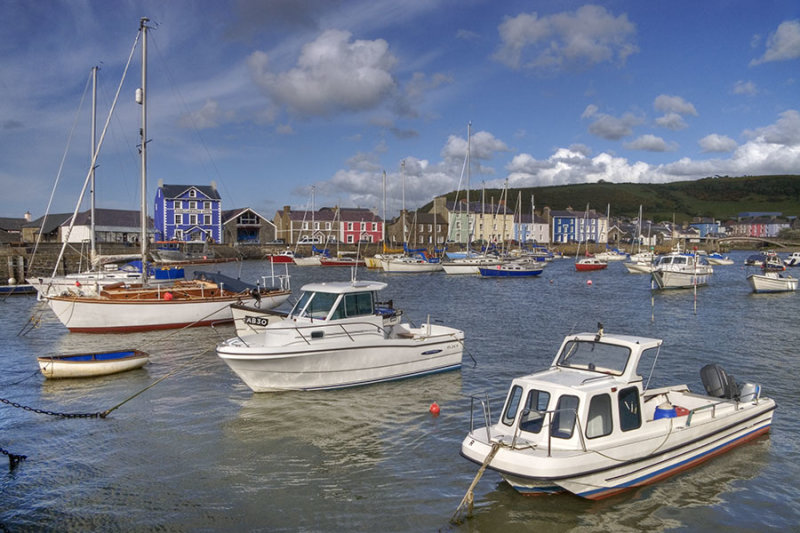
250, 319
611, 255
588, 425
409, 263
677, 270
793, 260
771, 281
338, 335
719, 259
639, 267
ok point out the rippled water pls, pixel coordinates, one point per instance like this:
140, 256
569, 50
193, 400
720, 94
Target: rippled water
199, 451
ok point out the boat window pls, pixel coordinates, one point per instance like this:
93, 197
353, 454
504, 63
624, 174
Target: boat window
359, 304
320, 305
599, 422
595, 357
629, 411
297, 310
564, 418
534, 413
512, 404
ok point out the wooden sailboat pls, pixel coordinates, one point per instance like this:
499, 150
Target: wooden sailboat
141, 307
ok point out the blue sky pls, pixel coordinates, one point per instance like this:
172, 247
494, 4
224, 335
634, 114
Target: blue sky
267, 98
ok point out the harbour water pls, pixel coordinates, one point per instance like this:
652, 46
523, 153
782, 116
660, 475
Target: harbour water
200, 452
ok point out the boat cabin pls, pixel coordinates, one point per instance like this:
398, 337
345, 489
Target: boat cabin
592, 390
336, 301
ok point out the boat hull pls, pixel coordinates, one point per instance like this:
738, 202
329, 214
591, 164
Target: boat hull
677, 447
97, 315
91, 365
501, 271
639, 268
771, 282
665, 279
313, 260
588, 267
354, 359
410, 267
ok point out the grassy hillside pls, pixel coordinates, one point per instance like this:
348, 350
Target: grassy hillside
718, 197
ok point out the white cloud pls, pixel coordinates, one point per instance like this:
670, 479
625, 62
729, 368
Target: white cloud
672, 121
783, 44
209, 116
586, 37
650, 143
614, 128
745, 87
786, 131
590, 111
674, 104
333, 74
717, 143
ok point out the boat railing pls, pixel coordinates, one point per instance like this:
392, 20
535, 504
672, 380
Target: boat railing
712, 406
487, 414
319, 330
548, 416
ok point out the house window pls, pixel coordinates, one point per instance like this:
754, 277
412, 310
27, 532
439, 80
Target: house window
327, 225
207, 206
178, 219
350, 239
207, 220
350, 227
363, 226
316, 225
193, 193
305, 225
248, 218
192, 219
193, 204
374, 226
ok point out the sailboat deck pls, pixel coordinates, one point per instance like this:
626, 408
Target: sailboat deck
182, 290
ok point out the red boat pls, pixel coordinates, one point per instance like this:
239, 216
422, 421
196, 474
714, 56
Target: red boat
590, 263
286, 256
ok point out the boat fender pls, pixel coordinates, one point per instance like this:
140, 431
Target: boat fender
168, 296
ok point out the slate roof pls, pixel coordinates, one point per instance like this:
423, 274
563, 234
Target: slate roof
231, 214
176, 191
11, 224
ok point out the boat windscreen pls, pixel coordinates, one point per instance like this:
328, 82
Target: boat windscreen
594, 356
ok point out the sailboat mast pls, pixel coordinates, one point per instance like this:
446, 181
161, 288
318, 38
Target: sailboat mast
93, 249
403, 165
469, 151
142, 100
383, 224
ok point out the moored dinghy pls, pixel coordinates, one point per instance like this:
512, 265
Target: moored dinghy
91, 364
587, 425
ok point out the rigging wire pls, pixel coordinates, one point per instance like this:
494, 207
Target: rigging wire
60, 169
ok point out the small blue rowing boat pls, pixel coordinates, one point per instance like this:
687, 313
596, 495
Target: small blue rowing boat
512, 270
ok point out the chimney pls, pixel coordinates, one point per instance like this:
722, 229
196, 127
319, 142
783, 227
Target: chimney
214, 185
160, 183
27, 216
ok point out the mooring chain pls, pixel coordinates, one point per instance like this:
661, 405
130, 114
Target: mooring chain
52, 413
13, 458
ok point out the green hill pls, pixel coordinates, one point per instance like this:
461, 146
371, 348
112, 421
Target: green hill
720, 197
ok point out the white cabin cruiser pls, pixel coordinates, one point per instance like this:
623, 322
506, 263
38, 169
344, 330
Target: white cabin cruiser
338, 335
677, 270
587, 425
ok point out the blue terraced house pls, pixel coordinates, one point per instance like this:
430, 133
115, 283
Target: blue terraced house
188, 213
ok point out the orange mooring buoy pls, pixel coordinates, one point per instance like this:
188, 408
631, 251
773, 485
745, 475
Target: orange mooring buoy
434, 409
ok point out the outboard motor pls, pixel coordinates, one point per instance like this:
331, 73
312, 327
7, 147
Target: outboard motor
718, 383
